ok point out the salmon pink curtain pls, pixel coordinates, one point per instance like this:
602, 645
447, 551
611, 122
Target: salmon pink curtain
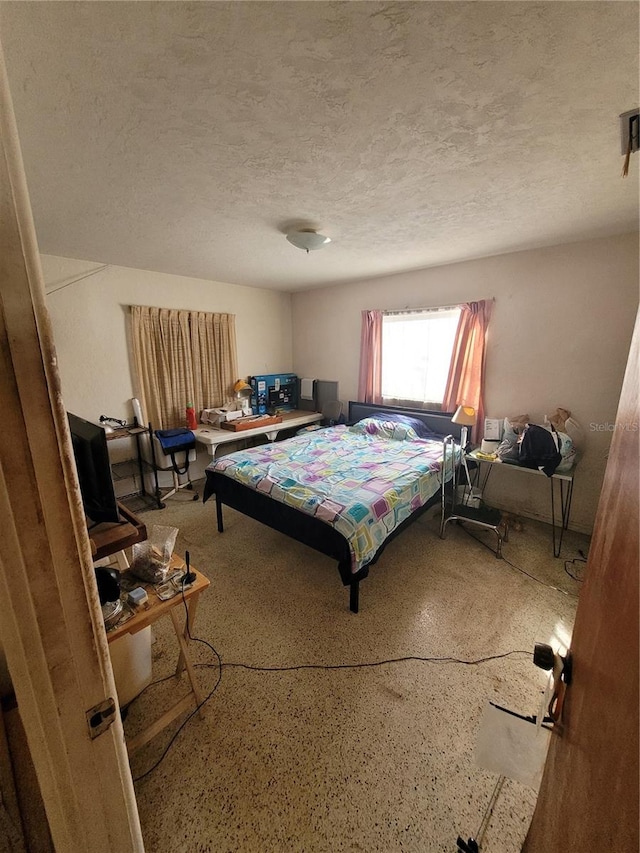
465, 383
370, 380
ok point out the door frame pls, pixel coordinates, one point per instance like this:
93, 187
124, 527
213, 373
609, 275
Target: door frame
51, 629
588, 797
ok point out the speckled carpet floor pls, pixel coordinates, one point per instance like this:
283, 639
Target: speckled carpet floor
370, 759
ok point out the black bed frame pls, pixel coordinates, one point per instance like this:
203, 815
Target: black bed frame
312, 531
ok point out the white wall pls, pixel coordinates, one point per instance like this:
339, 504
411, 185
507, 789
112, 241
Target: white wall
90, 324
559, 336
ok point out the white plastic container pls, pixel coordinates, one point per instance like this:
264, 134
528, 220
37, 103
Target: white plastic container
131, 662
469, 497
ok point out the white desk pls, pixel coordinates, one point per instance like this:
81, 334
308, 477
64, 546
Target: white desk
212, 437
565, 483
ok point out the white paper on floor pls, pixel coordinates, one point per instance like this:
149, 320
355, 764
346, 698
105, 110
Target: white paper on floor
511, 746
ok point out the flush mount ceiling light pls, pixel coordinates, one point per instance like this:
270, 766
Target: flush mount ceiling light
307, 239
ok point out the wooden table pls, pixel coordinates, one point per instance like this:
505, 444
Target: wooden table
146, 615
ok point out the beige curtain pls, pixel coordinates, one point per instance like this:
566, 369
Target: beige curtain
182, 357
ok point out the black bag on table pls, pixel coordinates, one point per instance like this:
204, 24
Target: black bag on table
539, 448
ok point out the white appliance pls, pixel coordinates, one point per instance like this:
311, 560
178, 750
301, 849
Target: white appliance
131, 662
214, 417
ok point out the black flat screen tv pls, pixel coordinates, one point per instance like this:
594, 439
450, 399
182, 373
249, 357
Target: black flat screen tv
94, 470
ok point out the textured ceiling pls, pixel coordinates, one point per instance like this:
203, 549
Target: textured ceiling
183, 137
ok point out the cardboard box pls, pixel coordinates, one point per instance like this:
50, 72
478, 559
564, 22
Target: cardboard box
252, 422
215, 417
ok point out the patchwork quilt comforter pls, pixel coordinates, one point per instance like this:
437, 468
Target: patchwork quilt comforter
363, 480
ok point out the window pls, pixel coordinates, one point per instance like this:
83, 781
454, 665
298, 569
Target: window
416, 354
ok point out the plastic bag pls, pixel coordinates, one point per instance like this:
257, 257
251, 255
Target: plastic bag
508, 450
575, 432
558, 419
564, 423
515, 425
152, 557
568, 453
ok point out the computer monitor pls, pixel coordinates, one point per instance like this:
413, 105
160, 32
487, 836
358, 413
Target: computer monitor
94, 470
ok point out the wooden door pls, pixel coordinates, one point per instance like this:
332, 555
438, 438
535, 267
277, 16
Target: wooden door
588, 799
50, 621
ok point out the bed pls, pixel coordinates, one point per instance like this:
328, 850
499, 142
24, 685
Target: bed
345, 491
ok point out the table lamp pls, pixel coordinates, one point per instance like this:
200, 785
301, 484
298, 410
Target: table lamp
242, 391
466, 417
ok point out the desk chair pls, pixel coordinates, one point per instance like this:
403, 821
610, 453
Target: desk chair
331, 415
485, 517
171, 464
177, 485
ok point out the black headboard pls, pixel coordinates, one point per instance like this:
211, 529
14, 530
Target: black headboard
438, 422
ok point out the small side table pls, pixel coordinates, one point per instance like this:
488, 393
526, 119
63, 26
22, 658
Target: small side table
564, 498
135, 431
147, 615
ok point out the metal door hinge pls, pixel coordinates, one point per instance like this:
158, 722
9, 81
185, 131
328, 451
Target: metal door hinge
100, 717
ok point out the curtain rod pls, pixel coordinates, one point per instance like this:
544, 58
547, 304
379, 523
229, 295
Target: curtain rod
425, 310
420, 310
183, 310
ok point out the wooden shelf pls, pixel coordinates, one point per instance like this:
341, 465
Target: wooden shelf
139, 462
109, 538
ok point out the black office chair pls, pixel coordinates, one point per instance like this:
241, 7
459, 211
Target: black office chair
331, 415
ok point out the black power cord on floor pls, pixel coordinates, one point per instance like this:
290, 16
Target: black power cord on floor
206, 698
522, 571
219, 666
581, 559
364, 665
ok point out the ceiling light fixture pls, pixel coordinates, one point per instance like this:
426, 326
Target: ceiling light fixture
307, 239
